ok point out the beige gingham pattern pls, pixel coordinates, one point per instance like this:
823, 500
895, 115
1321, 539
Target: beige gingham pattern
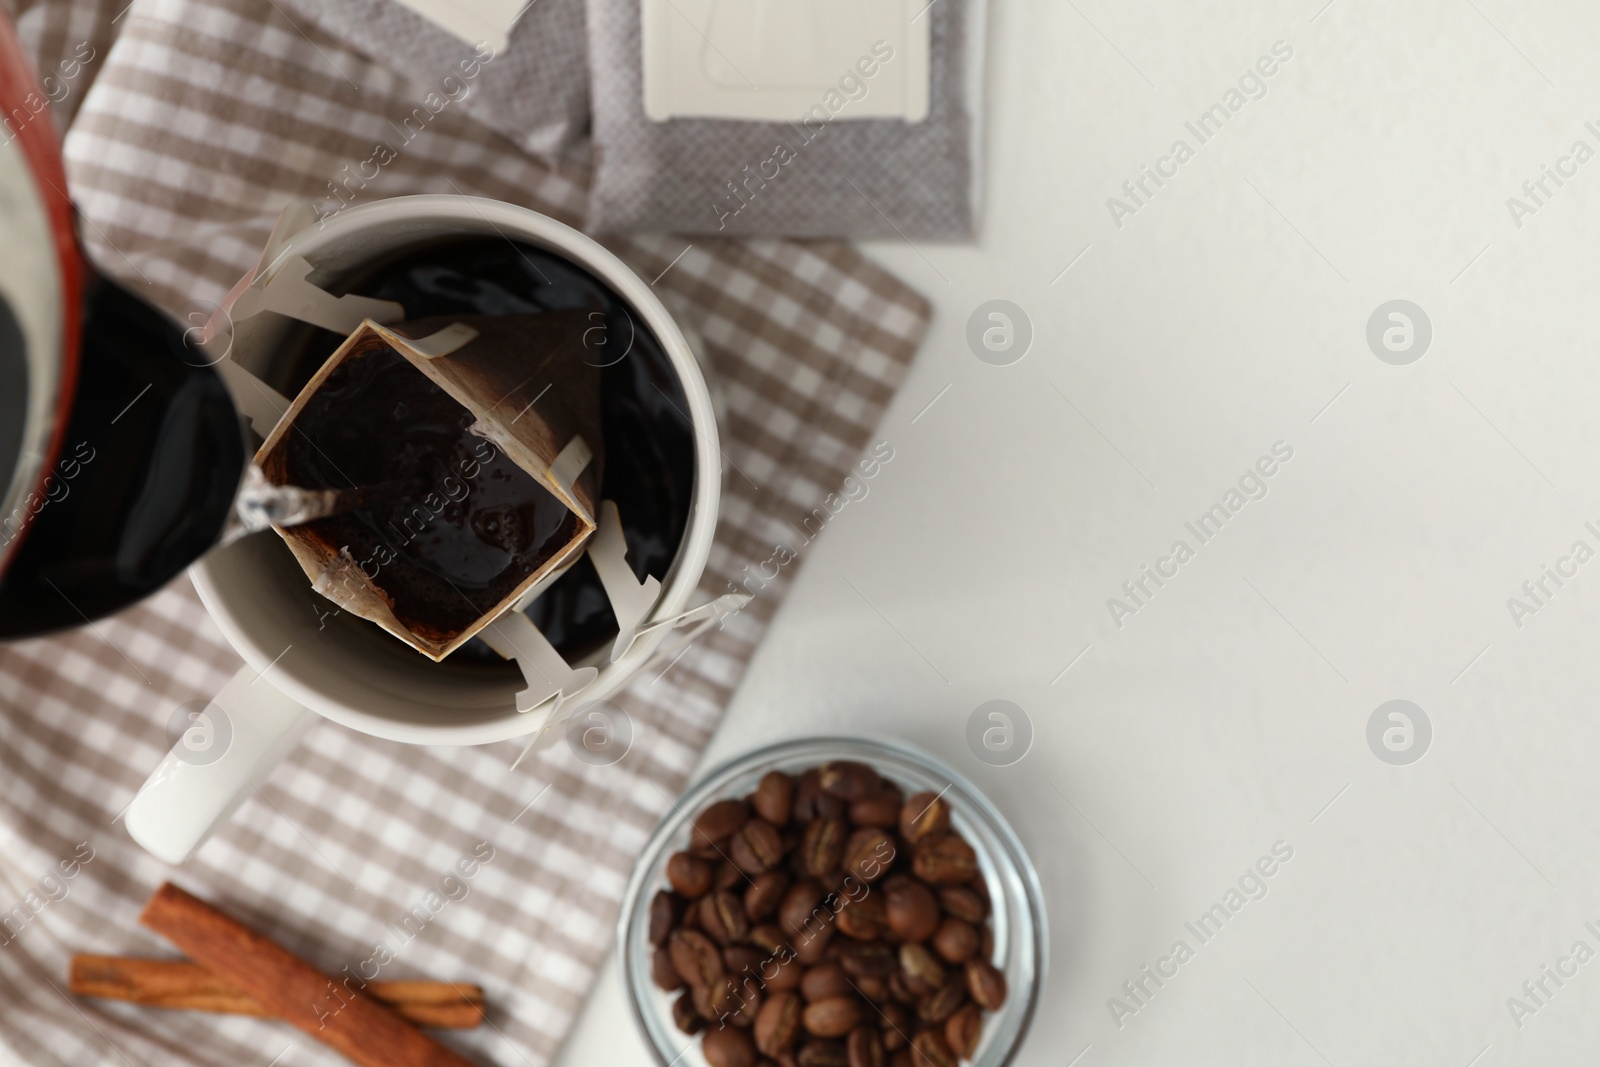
55, 32
203, 119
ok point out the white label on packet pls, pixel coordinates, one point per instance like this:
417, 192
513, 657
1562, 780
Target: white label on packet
781, 60
489, 21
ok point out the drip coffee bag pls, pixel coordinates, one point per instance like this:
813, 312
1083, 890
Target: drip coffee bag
476, 444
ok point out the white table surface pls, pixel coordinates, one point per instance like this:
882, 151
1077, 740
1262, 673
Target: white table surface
1231, 711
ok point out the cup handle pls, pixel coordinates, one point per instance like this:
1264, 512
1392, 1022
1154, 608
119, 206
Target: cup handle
184, 800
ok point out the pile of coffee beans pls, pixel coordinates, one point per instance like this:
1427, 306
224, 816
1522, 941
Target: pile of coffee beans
827, 920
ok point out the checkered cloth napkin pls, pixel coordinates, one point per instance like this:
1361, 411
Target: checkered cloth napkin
195, 121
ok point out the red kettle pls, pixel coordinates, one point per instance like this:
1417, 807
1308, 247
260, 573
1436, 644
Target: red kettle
120, 448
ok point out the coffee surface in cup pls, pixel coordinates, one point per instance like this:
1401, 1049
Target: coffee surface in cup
451, 526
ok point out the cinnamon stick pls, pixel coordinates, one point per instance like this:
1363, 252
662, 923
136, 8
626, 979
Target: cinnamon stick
185, 985
345, 1019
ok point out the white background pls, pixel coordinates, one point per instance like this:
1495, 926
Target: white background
1227, 714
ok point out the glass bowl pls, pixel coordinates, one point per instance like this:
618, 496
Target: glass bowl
1017, 916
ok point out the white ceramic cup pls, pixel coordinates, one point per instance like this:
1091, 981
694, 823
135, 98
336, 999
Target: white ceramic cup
300, 663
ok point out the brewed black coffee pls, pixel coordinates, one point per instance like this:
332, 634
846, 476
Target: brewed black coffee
149, 463
649, 442
452, 526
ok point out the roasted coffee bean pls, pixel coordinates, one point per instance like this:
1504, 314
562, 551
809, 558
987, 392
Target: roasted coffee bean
848, 780
963, 903
740, 960
923, 815
929, 1050
807, 788
663, 973
903, 1058
986, 984
823, 846
783, 974
769, 939
778, 1023
824, 982
864, 1047
860, 958
881, 810
897, 1025
729, 876
756, 847
716, 1002
695, 957
764, 894
708, 851
722, 916
719, 821
831, 807
942, 1003
899, 990
822, 1053
689, 874
921, 966
665, 910
911, 908
944, 860
986, 944
834, 1017
956, 941
875, 987
802, 909
868, 854
864, 919
774, 798
746, 1006
812, 946
685, 1017
963, 1030
709, 922
728, 1047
